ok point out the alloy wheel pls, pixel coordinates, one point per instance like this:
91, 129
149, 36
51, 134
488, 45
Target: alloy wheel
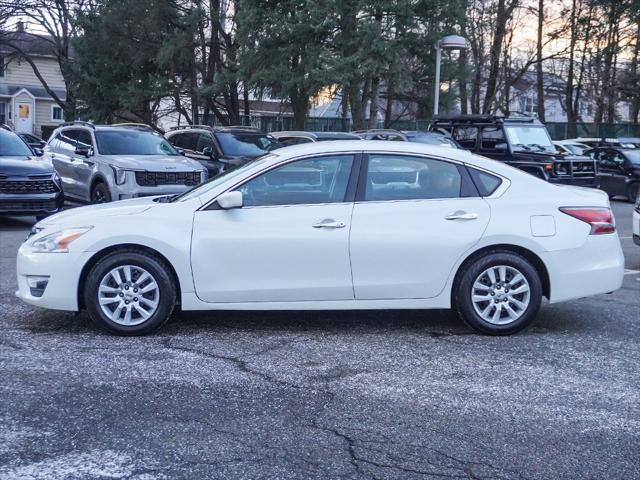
128, 295
500, 294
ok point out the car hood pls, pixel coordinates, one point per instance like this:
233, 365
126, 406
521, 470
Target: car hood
154, 163
84, 216
22, 166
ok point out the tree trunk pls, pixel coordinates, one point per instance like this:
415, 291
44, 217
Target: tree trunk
539, 72
388, 113
462, 81
300, 105
373, 108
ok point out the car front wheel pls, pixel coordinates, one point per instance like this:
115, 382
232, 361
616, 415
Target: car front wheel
100, 193
130, 293
499, 293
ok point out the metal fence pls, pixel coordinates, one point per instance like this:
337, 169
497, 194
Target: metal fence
557, 130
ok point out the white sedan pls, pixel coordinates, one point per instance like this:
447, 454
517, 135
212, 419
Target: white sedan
332, 225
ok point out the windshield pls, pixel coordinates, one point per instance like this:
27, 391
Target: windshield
246, 144
132, 142
633, 156
529, 138
213, 182
12, 145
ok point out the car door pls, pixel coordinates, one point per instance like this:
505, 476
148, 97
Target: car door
611, 171
61, 150
82, 164
289, 242
414, 217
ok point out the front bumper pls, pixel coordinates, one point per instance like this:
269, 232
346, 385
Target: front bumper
31, 203
63, 271
576, 181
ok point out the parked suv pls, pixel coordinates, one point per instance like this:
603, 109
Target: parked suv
218, 148
28, 185
521, 142
101, 163
619, 170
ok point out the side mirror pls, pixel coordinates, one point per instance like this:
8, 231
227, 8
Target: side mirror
83, 150
208, 151
38, 151
502, 147
180, 151
230, 200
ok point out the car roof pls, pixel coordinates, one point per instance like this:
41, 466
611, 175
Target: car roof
315, 134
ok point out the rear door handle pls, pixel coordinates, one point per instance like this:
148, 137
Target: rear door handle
461, 216
329, 223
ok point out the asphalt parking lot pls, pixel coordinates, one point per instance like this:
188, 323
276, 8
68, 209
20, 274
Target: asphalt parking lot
326, 395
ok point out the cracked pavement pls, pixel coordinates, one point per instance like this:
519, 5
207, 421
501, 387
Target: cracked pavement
322, 395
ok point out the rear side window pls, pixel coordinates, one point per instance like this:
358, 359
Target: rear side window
187, 141
485, 182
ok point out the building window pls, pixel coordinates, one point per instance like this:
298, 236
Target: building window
2, 66
528, 105
57, 113
3, 113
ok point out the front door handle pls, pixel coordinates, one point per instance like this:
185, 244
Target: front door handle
329, 223
460, 215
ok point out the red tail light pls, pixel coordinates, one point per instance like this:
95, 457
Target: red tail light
600, 218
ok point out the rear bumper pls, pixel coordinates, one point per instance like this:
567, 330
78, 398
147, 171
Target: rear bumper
596, 267
31, 204
636, 226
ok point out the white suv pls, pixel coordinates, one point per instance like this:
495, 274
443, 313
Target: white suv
99, 164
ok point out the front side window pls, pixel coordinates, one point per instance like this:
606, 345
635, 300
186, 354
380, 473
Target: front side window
466, 137
492, 138
245, 144
187, 141
204, 141
394, 177
303, 182
132, 142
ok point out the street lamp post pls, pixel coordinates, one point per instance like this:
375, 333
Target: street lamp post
450, 42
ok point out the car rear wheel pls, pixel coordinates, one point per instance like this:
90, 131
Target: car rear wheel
130, 293
100, 193
499, 293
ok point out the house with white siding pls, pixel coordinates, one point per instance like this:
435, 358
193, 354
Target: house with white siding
25, 105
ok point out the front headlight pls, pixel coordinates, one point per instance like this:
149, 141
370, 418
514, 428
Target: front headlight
56, 179
58, 242
119, 174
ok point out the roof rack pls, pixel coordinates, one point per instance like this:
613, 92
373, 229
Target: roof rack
78, 122
4, 126
138, 125
376, 130
184, 127
240, 127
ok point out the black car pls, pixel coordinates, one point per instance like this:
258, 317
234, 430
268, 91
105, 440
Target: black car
619, 170
522, 142
220, 148
430, 138
33, 141
28, 184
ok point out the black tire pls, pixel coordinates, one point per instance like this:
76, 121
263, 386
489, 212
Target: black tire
159, 271
632, 191
100, 193
462, 294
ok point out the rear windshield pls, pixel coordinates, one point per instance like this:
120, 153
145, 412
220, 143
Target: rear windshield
246, 144
132, 142
12, 145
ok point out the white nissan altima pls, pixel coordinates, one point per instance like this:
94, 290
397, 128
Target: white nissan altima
332, 225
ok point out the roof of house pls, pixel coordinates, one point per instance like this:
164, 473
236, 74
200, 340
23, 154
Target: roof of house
29, 43
8, 90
